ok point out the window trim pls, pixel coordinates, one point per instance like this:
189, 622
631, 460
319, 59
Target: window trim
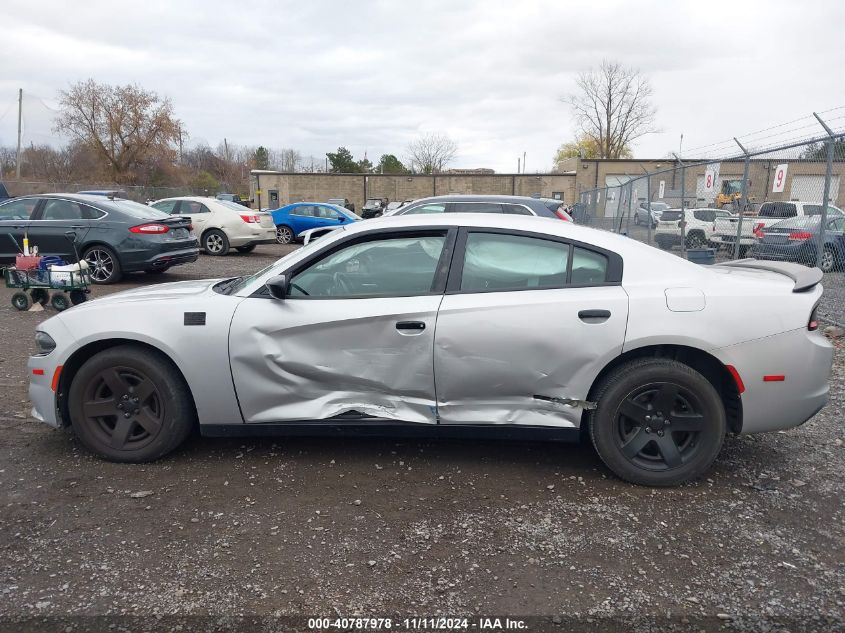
440, 274
42, 204
38, 204
453, 284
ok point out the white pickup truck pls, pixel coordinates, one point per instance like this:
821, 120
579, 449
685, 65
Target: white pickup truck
724, 229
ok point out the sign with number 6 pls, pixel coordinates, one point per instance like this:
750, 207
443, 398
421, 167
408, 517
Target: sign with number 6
779, 181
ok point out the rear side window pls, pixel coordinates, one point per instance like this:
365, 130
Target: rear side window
18, 209
55, 209
304, 210
588, 267
778, 210
670, 216
704, 215
513, 262
518, 209
192, 207
476, 207
166, 206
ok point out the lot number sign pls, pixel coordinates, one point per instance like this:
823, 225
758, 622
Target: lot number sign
779, 180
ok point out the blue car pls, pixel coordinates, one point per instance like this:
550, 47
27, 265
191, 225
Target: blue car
294, 219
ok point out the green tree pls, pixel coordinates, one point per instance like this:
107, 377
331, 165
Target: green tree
261, 158
205, 183
389, 164
586, 147
342, 162
818, 151
365, 166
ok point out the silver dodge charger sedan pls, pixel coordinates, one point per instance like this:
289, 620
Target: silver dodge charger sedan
449, 323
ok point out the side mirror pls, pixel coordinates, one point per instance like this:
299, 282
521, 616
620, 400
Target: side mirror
277, 287
342, 218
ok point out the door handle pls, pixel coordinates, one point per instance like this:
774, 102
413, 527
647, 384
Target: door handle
594, 316
413, 326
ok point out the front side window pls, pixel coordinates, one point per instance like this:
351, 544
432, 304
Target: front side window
836, 224
61, 210
427, 208
327, 213
495, 261
18, 209
395, 266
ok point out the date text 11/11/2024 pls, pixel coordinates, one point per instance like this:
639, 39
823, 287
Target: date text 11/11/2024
418, 624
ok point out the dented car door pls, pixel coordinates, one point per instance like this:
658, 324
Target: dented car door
527, 323
354, 335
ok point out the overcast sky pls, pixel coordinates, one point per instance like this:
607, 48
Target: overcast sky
371, 76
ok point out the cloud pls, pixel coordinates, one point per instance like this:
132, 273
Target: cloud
372, 75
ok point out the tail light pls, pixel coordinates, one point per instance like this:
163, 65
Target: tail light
562, 215
250, 219
190, 227
813, 323
758, 230
152, 228
800, 235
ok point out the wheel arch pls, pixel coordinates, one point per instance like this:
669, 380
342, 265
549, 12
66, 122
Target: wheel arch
78, 358
706, 364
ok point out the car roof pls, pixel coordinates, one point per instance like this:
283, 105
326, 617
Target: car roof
194, 198
468, 197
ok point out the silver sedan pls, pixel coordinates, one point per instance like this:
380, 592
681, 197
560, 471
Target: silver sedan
449, 323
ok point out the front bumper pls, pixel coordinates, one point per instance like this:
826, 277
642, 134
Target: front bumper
44, 373
802, 357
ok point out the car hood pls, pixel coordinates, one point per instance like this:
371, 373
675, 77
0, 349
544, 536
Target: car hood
158, 292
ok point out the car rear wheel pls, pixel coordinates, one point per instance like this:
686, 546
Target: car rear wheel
695, 240
215, 242
129, 404
828, 260
636, 218
284, 235
657, 422
103, 265
664, 244
246, 249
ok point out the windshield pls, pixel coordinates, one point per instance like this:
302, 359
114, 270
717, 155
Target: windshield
135, 209
344, 211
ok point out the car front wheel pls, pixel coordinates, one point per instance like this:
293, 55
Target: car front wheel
129, 404
657, 422
284, 235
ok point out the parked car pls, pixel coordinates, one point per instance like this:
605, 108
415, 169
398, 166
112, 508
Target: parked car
641, 213
769, 213
343, 202
221, 224
558, 208
113, 236
698, 230
797, 240
294, 219
373, 208
509, 205
231, 197
340, 334
106, 193
4, 193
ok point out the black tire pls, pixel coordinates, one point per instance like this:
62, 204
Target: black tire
636, 218
245, 249
696, 239
60, 301
666, 245
215, 242
828, 260
78, 296
284, 234
21, 301
104, 265
630, 417
40, 295
119, 426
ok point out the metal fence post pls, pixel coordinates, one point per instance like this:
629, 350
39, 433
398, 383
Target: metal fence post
683, 208
744, 198
648, 208
826, 194
630, 196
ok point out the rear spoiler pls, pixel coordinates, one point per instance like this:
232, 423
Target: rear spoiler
804, 277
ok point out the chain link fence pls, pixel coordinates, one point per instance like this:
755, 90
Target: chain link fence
779, 203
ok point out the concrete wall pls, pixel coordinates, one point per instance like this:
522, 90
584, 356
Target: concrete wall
357, 187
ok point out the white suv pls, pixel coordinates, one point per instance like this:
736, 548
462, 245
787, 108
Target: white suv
221, 224
699, 227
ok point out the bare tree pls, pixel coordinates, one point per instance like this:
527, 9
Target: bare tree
613, 107
285, 159
430, 153
124, 125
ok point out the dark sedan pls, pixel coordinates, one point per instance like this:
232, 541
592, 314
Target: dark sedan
510, 205
797, 240
113, 236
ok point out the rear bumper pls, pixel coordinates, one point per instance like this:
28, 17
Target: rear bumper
263, 235
804, 358
798, 253
369, 214
719, 238
159, 255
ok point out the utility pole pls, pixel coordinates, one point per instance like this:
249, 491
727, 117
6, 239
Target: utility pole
523, 162
18, 153
518, 165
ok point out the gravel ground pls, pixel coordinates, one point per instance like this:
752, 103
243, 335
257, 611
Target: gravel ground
278, 527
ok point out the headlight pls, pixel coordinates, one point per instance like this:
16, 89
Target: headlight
44, 343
